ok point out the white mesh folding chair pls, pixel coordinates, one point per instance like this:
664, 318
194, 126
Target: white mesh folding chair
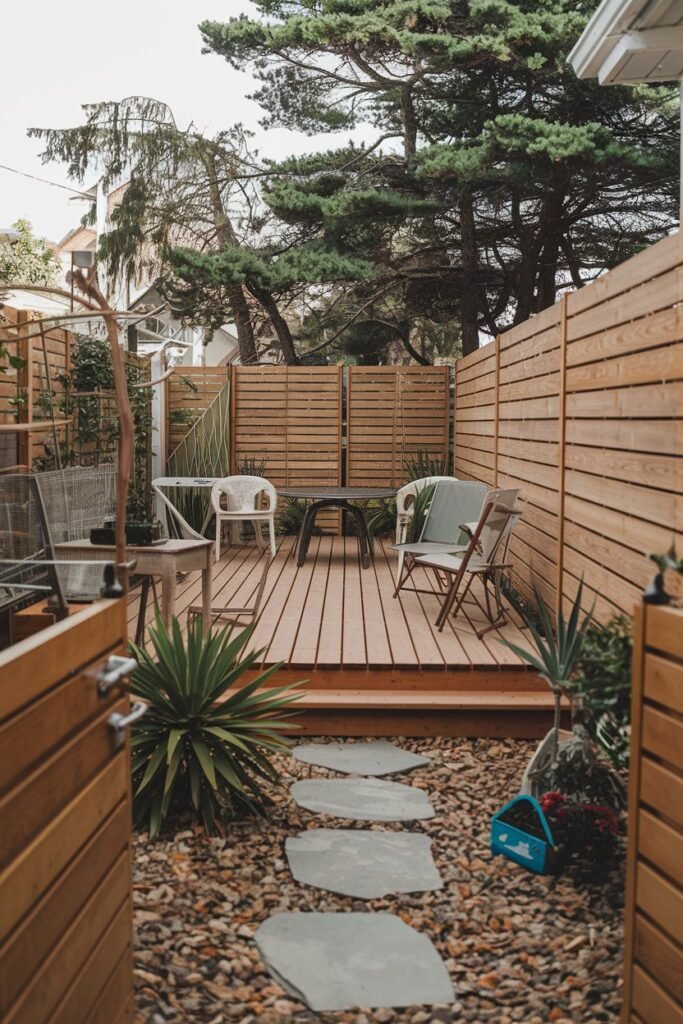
453, 502
175, 521
485, 557
405, 508
239, 499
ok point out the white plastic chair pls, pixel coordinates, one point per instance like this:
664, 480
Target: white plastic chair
405, 508
243, 497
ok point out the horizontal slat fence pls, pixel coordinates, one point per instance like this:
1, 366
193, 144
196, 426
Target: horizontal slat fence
290, 417
65, 806
653, 960
582, 408
393, 413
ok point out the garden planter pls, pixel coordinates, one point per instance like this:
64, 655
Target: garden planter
530, 781
520, 832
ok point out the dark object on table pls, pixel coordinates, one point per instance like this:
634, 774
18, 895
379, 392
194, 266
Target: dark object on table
336, 497
520, 832
139, 534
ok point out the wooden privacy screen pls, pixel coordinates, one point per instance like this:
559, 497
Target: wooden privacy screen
582, 408
653, 961
393, 413
65, 862
289, 416
190, 390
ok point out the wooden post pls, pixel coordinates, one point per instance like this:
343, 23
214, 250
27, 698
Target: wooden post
496, 421
447, 425
24, 388
562, 429
234, 372
639, 622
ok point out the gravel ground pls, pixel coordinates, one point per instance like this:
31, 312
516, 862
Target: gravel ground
519, 947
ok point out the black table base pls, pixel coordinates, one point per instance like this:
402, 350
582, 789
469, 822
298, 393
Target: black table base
306, 531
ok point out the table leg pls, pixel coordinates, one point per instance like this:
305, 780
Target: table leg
363, 536
140, 627
168, 589
206, 598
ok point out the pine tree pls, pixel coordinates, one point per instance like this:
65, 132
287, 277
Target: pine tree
496, 177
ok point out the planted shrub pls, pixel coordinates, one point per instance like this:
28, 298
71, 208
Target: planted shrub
202, 746
602, 684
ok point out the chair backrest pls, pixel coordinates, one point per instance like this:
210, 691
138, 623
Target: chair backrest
27, 570
410, 490
241, 493
175, 521
500, 518
454, 502
76, 499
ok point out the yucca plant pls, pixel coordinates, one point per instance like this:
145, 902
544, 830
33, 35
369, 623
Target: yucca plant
201, 746
557, 647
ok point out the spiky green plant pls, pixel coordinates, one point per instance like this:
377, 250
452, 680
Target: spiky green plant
422, 464
200, 747
557, 648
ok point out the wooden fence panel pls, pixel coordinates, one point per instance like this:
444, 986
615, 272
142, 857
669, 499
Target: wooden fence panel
290, 417
653, 961
65, 862
582, 408
393, 413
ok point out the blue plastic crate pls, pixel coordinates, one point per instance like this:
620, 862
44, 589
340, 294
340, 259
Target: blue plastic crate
534, 852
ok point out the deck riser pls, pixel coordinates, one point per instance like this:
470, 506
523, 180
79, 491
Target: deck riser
471, 724
485, 680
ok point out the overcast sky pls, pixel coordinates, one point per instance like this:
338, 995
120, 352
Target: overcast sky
56, 57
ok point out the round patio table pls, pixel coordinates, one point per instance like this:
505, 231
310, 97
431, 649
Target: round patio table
335, 497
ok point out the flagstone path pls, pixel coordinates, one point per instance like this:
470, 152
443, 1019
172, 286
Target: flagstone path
338, 961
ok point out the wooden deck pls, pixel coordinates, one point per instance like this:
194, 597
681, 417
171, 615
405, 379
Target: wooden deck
373, 663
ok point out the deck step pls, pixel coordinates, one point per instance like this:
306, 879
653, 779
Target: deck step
472, 713
428, 700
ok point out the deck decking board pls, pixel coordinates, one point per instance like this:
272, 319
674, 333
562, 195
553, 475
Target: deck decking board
332, 614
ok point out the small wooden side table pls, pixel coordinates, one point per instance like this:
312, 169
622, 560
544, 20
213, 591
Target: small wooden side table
165, 560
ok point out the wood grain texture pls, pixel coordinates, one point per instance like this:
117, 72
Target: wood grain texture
65, 860
585, 414
653, 957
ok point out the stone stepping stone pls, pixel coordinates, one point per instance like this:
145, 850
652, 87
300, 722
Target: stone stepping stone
363, 799
377, 757
364, 864
344, 961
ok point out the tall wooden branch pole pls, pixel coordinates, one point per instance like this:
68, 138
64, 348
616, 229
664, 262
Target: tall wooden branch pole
126, 425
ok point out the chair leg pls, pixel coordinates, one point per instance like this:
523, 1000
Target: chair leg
218, 536
455, 600
271, 531
258, 533
450, 599
401, 580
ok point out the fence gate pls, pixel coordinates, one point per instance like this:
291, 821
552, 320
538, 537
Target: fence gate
653, 958
65, 861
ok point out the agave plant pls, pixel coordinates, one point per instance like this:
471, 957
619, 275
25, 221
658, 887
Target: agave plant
201, 746
557, 647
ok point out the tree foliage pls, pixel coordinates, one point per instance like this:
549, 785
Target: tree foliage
27, 259
496, 177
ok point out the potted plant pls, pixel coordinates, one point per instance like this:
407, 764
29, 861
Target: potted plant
521, 832
201, 747
556, 648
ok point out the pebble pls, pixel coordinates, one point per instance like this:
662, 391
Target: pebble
521, 948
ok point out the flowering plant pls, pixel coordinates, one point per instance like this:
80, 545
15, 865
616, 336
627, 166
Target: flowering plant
590, 830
